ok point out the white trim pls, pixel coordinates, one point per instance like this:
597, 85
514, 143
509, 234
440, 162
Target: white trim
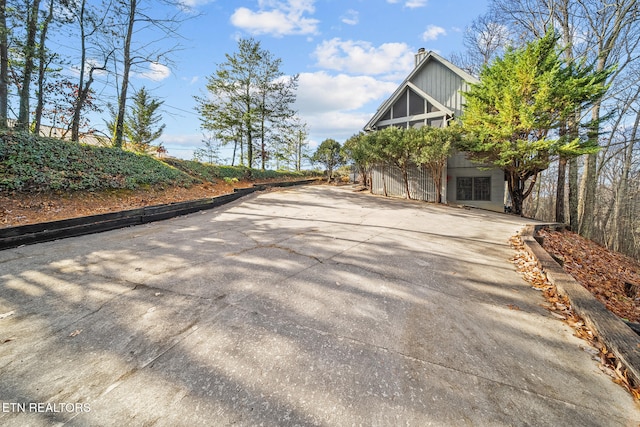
407, 119
398, 92
429, 98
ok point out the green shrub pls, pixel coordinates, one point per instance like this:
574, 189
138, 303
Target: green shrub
31, 163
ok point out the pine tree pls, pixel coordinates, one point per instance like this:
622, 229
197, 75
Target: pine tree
141, 123
512, 116
248, 97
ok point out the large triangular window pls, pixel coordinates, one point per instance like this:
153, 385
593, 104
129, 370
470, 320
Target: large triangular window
416, 103
400, 107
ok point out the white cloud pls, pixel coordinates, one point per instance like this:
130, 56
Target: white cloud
338, 125
433, 32
157, 72
185, 140
278, 18
321, 92
360, 57
411, 4
351, 17
190, 5
75, 70
329, 104
192, 80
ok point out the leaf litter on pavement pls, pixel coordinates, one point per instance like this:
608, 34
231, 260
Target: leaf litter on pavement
560, 307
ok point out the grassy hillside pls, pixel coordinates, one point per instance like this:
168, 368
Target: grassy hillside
35, 164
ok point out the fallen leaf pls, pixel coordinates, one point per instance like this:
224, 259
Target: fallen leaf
7, 314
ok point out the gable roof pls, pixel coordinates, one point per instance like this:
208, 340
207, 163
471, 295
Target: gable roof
407, 83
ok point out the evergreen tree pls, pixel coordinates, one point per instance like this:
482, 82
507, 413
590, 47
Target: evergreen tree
434, 146
141, 124
399, 150
358, 148
512, 116
247, 98
328, 154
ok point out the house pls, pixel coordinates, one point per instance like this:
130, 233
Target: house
432, 95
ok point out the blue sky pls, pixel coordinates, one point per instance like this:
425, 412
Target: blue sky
350, 55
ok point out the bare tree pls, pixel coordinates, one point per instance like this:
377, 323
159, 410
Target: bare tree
90, 27
29, 54
613, 28
136, 16
483, 40
44, 61
593, 32
4, 64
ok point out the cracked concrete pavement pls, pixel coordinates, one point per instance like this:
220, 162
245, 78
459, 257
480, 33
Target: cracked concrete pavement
307, 306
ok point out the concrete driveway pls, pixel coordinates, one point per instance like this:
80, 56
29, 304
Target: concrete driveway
307, 306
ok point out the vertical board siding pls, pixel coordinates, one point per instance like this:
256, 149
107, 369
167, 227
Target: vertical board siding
389, 177
445, 86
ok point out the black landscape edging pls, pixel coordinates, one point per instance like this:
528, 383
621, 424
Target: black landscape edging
610, 329
12, 237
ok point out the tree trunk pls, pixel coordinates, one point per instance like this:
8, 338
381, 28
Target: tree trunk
263, 147
436, 175
42, 68
235, 147
589, 185
622, 201
536, 210
437, 182
4, 65
573, 194
75, 122
122, 98
405, 177
249, 150
371, 180
515, 190
516, 185
384, 181
29, 53
299, 152
560, 190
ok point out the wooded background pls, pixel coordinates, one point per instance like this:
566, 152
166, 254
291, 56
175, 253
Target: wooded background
597, 194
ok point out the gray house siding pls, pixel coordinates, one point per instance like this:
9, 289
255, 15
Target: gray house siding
458, 166
445, 86
387, 180
441, 85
